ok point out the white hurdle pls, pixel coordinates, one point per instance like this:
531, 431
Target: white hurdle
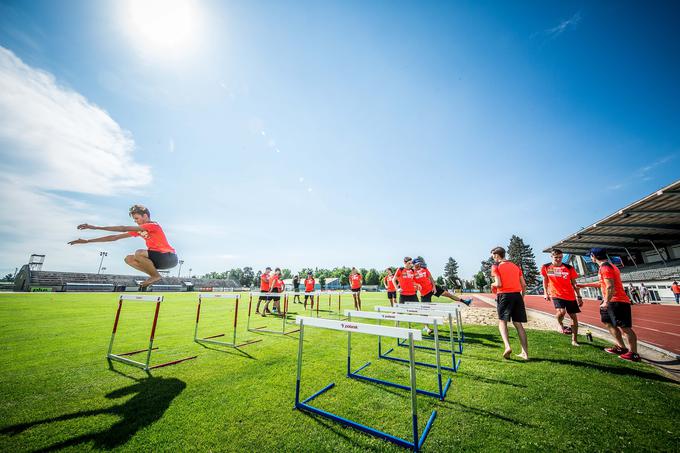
455, 308
436, 321
370, 329
283, 314
211, 338
120, 357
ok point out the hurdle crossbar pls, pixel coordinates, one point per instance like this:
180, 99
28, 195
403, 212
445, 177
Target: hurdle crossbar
456, 342
350, 327
456, 308
397, 318
121, 356
211, 339
284, 314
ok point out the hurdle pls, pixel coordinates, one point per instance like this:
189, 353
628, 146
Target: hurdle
395, 317
211, 339
456, 342
339, 294
316, 295
441, 307
121, 356
283, 315
369, 329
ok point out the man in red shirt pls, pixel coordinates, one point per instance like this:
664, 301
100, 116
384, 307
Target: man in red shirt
264, 288
615, 309
355, 281
274, 287
389, 286
509, 286
310, 283
559, 285
405, 282
676, 292
158, 255
429, 288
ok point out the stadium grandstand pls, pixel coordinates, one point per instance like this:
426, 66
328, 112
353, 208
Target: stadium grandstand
642, 239
37, 280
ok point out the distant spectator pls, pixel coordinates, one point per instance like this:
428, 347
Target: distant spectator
634, 294
676, 291
645, 293
296, 289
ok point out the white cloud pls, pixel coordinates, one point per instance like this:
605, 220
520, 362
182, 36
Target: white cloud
53, 142
53, 135
554, 32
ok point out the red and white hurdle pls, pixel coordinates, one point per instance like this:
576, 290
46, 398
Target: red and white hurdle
211, 339
122, 357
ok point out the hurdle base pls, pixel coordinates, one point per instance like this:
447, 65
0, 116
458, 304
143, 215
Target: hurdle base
454, 367
356, 375
135, 352
224, 343
174, 362
143, 366
278, 332
429, 348
303, 406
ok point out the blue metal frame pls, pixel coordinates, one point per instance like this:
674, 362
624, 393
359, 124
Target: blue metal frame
458, 340
417, 442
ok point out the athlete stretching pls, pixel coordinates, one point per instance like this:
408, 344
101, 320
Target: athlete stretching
159, 254
429, 288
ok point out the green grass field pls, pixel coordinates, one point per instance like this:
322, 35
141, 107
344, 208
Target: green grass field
57, 391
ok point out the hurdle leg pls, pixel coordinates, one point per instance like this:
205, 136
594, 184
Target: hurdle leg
198, 315
115, 326
153, 334
299, 364
235, 321
414, 400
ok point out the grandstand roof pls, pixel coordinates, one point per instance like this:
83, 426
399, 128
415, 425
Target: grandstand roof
654, 218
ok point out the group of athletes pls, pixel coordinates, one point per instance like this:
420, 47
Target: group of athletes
559, 280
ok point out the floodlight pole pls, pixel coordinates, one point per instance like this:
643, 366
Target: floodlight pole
179, 271
101, 261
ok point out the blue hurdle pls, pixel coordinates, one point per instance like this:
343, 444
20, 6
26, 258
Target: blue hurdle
350, 327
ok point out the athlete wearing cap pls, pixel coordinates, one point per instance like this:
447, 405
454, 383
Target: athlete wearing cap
509, 286
310, 283
559, 285
615, 309
158, 253
264, 288
355, 281
389, 286
428, 287
404, 281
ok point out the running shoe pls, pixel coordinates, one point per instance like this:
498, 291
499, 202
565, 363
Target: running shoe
616, 350
466, 301
566, 330
631, 356
427, 331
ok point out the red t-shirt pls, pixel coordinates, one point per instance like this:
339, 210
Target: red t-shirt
281, 284
389, 284
422, 277
309, 284
273, 282
559, 280
355, 280
154, 237
264, 282
675, 289
407, 282
607, 270
510, 275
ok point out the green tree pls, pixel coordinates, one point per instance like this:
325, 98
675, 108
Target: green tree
247, 276
486, 269
372, 277
480, 280
522, 255
286, 274
256, 279
440, 281
8, 278
322, 282
451, 274
235, 275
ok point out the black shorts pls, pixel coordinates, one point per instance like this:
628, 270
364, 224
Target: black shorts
275, 298
391, 294
617, 314
511, 307
408, 298
311, 296
162, 260
570, 305
356, 290
437, 291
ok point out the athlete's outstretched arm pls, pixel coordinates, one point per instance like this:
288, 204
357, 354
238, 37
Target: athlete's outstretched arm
588, 285
118, 229
111, 238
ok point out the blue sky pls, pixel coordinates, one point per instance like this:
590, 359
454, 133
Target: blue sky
302, 134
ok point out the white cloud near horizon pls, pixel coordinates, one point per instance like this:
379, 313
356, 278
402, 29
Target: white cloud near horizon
54, 135
564, 25
55, 144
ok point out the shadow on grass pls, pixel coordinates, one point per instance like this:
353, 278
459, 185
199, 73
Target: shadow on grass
151, 398
618, 370
482, 338
486, 413
340, 430
228, 350
486, 380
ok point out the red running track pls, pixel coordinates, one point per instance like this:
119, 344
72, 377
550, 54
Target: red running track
658, 325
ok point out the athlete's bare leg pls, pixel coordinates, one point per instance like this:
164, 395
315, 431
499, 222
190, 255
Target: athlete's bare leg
522, 340
574, 329
616, 333
359, 299
631, 337
140, 261
503, 329
559, 316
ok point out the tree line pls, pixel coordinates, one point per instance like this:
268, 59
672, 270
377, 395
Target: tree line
519, 253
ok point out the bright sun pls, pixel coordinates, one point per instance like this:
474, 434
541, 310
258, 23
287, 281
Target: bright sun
166, 28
